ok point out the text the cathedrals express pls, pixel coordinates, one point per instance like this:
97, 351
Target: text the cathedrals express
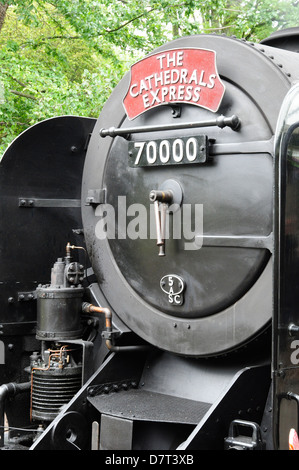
184, 75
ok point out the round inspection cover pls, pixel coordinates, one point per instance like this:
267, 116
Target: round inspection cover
228, 288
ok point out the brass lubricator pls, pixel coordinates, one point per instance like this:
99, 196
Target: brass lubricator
59, 303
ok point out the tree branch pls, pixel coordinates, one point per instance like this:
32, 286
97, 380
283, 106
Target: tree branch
3, 10
131, 21
141, 16
43, 40
24, 95
61, 37
16, 80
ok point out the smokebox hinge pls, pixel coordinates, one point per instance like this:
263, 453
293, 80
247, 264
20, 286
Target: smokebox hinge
96, 197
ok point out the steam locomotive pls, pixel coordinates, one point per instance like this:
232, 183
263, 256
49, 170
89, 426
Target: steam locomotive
149, 259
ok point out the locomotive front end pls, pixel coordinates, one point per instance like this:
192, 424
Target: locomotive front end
167, 327
178, 194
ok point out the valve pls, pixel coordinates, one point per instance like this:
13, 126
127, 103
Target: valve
161, 200
169, 194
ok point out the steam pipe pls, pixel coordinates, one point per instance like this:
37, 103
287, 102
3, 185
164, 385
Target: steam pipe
8, 390
89, 308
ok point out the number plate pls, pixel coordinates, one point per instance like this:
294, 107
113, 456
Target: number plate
160, 152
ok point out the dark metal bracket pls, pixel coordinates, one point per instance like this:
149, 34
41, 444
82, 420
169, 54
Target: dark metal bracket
248, 441
39, 202
176, 111
96, 197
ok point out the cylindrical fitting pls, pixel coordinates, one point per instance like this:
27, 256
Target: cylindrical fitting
161, 196
57, 273
52, 388
59, 313
59, 304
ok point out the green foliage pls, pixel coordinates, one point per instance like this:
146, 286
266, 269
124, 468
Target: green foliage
48, 70
65, 57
